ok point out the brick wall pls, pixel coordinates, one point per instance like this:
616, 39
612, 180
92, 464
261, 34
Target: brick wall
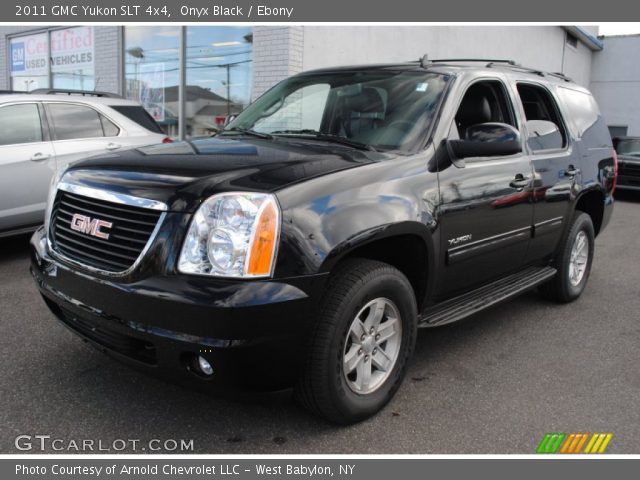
107, 62
107, 56
277, 54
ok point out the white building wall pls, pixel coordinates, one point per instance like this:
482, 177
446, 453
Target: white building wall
280, 51
542, 47
615, 81
277, 54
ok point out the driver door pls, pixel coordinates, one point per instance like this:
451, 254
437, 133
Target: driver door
486, 211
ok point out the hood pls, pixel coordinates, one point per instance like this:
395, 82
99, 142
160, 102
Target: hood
183, 174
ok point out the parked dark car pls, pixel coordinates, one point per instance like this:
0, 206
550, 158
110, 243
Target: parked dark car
346, 208
628, 149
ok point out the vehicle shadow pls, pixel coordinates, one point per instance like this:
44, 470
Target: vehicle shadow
627, 196
15, 247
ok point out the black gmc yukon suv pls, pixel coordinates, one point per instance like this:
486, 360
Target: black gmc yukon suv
305, 244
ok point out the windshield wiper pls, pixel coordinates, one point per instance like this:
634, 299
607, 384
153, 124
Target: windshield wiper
327, 137
248, 131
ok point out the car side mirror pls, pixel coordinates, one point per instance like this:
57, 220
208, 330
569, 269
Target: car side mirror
490, 139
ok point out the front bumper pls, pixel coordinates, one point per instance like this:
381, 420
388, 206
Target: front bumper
628, 175
250, 331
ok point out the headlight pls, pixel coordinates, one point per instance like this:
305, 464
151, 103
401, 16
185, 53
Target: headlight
232, 235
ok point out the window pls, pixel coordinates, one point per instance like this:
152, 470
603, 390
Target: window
383, 109
218, 67
582, 108
109, 128
483, 102
152, 70
68, 53
75, 121
302, 110
545, 129
572, 40
138, 115
20, 124
72, 58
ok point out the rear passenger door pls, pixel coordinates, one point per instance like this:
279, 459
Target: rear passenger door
79, 131
485, 212
555, 163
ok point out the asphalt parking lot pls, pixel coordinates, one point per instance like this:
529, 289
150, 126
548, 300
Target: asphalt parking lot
494, 384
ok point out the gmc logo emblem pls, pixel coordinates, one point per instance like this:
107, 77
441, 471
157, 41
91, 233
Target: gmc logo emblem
90, 226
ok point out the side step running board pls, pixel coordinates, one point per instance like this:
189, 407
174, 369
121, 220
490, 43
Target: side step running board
472, 302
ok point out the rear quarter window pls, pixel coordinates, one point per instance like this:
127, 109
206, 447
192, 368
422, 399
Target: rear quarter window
584, 116
138, 115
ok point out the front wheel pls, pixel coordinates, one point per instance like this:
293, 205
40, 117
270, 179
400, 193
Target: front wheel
361, 342
573, 262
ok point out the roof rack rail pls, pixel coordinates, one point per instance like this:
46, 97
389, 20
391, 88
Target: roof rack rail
479, 60
424, 61
560, 75
84, 93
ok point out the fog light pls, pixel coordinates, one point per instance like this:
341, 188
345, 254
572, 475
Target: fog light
205, 367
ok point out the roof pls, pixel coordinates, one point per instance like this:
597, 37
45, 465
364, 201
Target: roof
454, 66
25, 97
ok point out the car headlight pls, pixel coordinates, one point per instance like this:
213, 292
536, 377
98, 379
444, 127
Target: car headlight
232, 235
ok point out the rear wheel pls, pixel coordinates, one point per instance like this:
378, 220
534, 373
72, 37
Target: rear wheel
573, 262
362, 339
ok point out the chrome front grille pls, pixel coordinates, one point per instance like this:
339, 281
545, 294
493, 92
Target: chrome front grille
100, 234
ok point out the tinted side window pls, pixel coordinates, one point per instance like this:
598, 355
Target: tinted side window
484, 101
75, 121
138, 115
110, 129
582, 108
544, 124
588, 124
20, 124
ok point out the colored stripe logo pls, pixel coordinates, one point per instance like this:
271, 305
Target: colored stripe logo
574, 443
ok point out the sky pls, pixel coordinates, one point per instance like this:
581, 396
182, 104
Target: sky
619, 28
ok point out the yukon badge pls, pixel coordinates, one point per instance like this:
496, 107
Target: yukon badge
458, 240
90, 226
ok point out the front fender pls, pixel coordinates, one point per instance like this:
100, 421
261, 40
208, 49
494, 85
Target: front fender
327, 218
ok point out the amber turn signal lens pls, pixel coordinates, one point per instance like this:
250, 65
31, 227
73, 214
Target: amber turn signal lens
264, 241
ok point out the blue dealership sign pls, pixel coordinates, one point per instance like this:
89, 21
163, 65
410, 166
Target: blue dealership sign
17, 57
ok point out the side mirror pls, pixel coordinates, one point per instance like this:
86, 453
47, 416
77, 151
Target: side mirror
490, 139
543, 135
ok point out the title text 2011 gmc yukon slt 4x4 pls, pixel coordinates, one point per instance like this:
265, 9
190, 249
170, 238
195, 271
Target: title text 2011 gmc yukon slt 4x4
344, 209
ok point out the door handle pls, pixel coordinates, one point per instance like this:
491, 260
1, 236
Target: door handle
39, 156
520, 181
112, 146
571, 171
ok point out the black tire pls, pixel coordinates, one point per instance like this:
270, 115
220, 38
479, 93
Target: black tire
323, 388
560, 287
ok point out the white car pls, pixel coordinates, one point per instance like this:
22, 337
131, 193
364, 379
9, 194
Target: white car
41, 133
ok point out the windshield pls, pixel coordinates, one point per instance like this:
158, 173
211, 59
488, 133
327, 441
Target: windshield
383, 110
629, 147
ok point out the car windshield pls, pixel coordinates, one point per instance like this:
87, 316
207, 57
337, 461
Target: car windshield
377, 110
629, 147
